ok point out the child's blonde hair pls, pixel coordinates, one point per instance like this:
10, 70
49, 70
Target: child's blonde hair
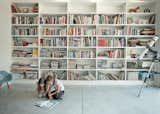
50, 78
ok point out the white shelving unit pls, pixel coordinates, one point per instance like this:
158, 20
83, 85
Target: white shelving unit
87, 39
25, 27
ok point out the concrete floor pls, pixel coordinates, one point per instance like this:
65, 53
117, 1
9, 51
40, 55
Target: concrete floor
83, 100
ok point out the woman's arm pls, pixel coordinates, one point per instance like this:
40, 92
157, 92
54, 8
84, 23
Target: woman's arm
57, 90
47, 88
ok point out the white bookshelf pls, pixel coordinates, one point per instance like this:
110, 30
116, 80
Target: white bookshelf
83, 26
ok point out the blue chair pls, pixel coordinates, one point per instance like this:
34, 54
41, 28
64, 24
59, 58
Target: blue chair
5, 77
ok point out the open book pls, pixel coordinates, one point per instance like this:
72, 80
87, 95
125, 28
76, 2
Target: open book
48, 104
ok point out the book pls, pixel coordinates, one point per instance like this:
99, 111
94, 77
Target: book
112, 31
111, 19
82, 42
53, 19
82, 19
24, 31
25, 20
55, 42
54, 31
81, 31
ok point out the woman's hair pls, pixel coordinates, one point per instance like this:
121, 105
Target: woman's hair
49, 78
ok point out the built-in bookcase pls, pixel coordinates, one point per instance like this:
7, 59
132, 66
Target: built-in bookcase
81, 39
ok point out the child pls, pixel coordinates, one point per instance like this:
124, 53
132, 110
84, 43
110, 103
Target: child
41, 87
54, 88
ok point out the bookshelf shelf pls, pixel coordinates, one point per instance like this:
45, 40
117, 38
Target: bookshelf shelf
81, 35
136, 70
25, 14
52, 36
113, 69
25, 47
106, 58
52, 47
140, 14
43, 25
24, 24
25, 36
141, 25
24, 58
81, 58
137, 47
81, 39
116, 47
24, 69
82, 47
142, 2
82, 13
52, 69
99, 25
50, 58
81, 69
141, 36
81, 25
111, 36
52, 14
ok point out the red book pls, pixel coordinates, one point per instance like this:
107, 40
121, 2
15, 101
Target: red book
102, 43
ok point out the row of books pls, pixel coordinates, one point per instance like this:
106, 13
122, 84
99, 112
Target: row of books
55, 42
112, 19
55, 53
53, 20
60, 74
81, 64
81, 75
81, 31
25, 74
82, 42
25, 20
82, 19
24, 31
134, 65
111, 42
111, 76
25, 52
103, 64
54, 31
24, 64
54, 64
103, 19
133, 42
141, 31
111, 53
81, 53
112, 31
25, 41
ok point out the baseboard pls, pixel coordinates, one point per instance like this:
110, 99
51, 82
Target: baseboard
97, 82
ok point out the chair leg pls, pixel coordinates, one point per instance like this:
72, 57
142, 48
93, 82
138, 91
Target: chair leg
9, 86
0, 86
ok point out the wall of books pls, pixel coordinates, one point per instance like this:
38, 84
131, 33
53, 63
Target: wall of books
81, 40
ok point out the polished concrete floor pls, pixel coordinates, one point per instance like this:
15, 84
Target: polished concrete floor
83, 100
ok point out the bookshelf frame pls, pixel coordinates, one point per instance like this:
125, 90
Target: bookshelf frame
93, 8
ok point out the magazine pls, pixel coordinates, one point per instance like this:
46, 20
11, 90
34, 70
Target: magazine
47, 104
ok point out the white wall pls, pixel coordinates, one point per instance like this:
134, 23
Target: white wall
5, 35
